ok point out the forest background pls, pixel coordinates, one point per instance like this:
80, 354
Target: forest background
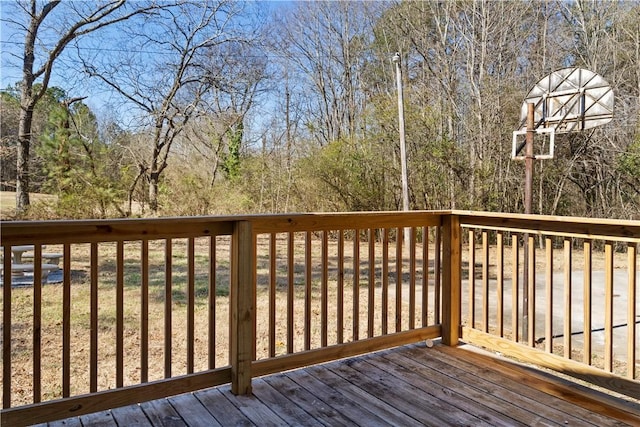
223, 107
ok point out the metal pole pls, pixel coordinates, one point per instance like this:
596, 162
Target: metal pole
528, 160
528, 197
403, 150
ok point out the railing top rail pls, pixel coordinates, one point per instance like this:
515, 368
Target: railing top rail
588, 228
86, 231
283, 223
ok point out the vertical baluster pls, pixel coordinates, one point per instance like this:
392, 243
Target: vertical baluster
372, 281
531, 287
472, 279
66, 321
568, 261
500, 282
324, 297
37, 323
399, 235
272, 294
340, 296
515, 286
93, 346
144, 314
119, 313
608, 301
631, 311
588, 268
385, 282
438, 275
412, 278
485, 281
254, 294
549, 295
213, 285
425, 276
290, 289
308, 290
356, 285
168, 287
6, 328
191, 294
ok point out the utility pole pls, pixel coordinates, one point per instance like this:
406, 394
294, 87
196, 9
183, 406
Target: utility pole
403, 150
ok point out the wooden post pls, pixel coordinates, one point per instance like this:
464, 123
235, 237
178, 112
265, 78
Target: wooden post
451, 280
242, 307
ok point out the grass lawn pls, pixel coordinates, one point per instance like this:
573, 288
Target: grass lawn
8, 202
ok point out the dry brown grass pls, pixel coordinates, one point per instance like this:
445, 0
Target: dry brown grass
8, 202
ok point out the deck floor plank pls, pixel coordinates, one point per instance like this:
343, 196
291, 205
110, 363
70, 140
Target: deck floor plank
362, 398
337, 400
456, 392
69, 422
132, 415
515, 379
409, 385
98, 419
161, 413
288, 410
314, 406
221, 408
256, 411
426, 408
484, 392
192, 411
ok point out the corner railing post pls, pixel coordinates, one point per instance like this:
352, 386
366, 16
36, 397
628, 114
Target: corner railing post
242, 307
451, 280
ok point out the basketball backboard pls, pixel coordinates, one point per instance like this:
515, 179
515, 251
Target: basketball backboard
570, 99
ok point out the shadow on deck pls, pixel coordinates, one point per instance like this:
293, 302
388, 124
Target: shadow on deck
409, 385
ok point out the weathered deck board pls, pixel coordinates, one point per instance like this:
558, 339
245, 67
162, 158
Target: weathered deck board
474, 387
411, 385
222, 409
131, 416
192, 411
290, 412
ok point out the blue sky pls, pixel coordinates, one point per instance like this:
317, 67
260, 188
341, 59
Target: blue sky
65, 74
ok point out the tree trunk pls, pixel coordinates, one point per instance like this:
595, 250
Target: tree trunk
153, 192
22, 164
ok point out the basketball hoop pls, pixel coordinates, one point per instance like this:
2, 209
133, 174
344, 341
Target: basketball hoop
568, 100
515, 147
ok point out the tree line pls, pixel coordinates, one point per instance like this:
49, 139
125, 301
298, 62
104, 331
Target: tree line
216, 107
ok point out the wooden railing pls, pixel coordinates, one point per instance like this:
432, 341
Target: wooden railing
144, 309
557, 292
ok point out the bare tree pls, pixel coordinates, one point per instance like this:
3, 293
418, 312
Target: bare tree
46, 36
326, 44
164, 76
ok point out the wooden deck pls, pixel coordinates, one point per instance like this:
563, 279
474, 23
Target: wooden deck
410, 385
